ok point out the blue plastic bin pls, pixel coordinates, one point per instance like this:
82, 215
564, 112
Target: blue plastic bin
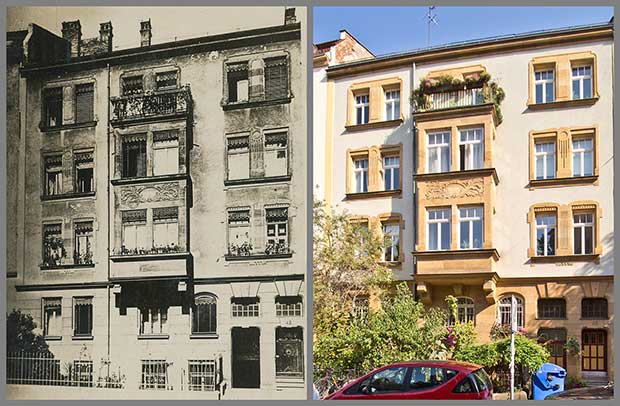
548, 380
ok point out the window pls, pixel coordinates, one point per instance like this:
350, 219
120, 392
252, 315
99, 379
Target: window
83, 231
438, 229
361, 175
276, 161
391, 232
438, 154
132, 85
583, 233
545, 234
166, 227
238, 83
470, 228
277, 230
165, 153
581, 77
423, 378
504, 316
53, 244
276, 78
84, 103
471, 149
153, 320
551, 308
387, 380
52, 105
465, 311
361, 109
135, 238
84, 177
554, 340
82, 316
238, 151
594, 308
583, 152
287, 306
476, 382
289, 352
544, 85
154, 374
53, 175
239, 232
204, 314
166, 80
545, 160
392, 105
83, 373
52, 317
245, 306
134, 156
391, 172
202, 375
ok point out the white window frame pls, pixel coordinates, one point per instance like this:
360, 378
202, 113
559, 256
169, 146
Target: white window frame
167, 167
582, 221
362, 173
392, 168
545, 155
471, 219
465, 306
543, 81
394, 238
56, 329
153, 325
582, 151
392, 101
504, 309
362, 101
470, 145
429, 222
439, 146
580, 77
546, 228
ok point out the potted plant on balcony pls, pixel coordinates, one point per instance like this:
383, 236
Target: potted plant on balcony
240, 250
54, 251
276, 247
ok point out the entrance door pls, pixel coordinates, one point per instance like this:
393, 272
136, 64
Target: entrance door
245, 357
594, 350
289, 352
555, 340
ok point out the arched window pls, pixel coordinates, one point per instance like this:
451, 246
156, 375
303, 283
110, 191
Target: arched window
204, 314
464, 311
503, 310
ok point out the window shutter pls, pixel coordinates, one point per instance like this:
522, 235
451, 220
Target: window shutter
276, 78
84, 103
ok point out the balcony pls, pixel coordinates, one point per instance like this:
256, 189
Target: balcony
456, 98
146, 106
245, 252
153, 263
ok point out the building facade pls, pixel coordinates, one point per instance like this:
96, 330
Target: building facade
161, 210
493, 161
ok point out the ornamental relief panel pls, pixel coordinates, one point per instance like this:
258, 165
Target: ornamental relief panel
134, 195
454, 189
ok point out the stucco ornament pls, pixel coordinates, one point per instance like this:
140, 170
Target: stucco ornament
134, 195
454, 189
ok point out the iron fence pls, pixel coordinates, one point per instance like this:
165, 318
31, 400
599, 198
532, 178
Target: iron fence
457, 98
43, 369
177, 101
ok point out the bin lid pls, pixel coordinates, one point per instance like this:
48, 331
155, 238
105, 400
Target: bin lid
549, 368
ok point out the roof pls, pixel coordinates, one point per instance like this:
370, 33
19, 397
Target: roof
429, 52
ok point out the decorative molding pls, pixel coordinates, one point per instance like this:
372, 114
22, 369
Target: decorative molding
134, 195
454, 189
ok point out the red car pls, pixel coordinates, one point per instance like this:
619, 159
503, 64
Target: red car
439, 380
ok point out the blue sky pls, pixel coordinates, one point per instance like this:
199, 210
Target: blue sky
405, 28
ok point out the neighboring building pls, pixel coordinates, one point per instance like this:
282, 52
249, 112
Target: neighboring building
163, 233
490, 204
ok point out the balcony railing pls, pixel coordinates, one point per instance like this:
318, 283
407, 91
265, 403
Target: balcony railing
456, 98
148, 105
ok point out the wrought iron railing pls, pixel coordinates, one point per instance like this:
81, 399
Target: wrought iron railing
456, 98
146, 105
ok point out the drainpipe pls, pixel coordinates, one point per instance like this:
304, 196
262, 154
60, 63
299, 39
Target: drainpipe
414, 137
107, 123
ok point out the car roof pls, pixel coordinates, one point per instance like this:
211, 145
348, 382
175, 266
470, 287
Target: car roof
458, 365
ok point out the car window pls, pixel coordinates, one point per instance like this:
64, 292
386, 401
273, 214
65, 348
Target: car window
467, 385
482, 380
427, 377
390, 379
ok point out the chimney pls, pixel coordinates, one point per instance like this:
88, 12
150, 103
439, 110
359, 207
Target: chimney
72, 32
289, 16
145, 33
105, 34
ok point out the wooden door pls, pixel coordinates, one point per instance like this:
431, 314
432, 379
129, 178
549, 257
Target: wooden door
594, 350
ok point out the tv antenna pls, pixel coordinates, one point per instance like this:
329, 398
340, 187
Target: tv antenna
431, 18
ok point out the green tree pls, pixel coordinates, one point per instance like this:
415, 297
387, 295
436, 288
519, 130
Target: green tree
20, 335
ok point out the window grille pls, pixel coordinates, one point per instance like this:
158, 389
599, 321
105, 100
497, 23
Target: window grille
287, 306
202, 375
245, 307
154, 374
